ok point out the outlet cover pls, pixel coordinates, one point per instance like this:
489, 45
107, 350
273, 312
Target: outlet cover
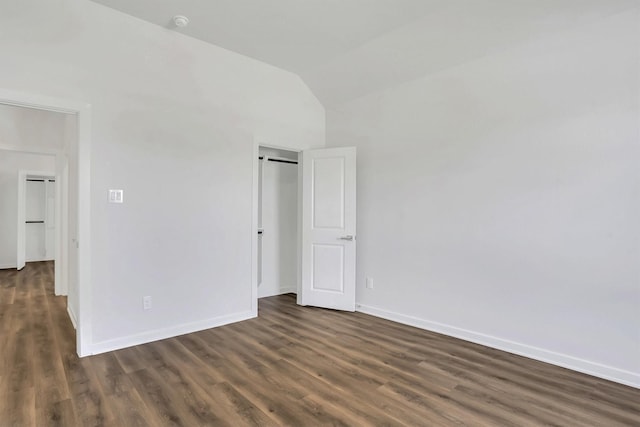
116, 196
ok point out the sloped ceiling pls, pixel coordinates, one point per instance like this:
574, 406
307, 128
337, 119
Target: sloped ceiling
345, 49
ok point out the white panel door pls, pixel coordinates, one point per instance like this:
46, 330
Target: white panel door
328, 253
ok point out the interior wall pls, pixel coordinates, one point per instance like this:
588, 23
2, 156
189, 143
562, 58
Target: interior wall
278, 218
173, 124
10, 163
498, 200
31, 129
23, 130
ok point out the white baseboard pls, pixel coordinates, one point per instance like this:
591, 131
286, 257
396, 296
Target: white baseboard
280, 291
172, 331
592, 368
72, 316
13, 264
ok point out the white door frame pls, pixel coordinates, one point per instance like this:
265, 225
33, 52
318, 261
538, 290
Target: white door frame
83, 112
21, 247
254, 220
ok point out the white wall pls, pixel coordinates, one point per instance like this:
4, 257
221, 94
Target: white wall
31, 129
173, 124
499, 200
10, 163
25, 130
279, 220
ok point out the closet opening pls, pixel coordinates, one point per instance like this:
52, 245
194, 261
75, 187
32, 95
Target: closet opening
40, 224
277, 248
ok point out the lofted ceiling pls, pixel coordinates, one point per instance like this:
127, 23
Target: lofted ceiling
345, 49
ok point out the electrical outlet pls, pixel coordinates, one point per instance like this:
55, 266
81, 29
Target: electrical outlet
369, 283
146, 303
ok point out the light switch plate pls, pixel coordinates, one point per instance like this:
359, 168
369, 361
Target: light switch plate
116, 196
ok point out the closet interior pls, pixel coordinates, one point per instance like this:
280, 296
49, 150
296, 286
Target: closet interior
277, 222
40, 193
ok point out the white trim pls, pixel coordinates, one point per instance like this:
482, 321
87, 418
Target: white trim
299, 232
281, 291
254, 228
72, 316
169, 332
28, 260
20, 225
585, 366
84, 333
28, 150
39, 102
62, 229
83, 112
7, 266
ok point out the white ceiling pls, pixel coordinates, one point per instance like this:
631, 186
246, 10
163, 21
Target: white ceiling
345, 49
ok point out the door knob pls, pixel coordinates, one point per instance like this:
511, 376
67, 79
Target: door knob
349, 238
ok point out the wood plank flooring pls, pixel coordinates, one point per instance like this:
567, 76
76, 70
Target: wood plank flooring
292, 366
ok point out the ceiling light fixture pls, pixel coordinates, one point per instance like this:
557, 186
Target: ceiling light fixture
180, 21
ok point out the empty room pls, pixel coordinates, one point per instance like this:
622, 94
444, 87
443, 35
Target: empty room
316, 212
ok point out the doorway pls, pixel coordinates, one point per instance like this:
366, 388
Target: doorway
277, 257
72, 175
317, 199
10, 164
39, 217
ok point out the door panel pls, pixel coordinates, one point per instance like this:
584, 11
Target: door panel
328, 252
328, 268
328, 193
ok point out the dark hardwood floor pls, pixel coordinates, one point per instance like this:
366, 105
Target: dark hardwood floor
292, 366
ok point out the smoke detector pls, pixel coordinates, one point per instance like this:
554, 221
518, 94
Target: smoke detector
180, 21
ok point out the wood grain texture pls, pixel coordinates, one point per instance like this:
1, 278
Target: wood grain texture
293, 366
